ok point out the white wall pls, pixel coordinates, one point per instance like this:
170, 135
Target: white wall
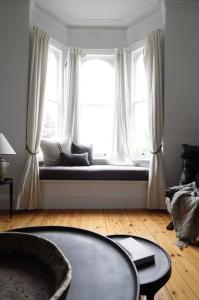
94, 38
181, 83
58, 31
138, 31
14, 55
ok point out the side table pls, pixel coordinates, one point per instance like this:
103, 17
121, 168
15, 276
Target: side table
153, 275
10, 182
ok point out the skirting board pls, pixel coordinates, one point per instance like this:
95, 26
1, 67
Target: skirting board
93, 194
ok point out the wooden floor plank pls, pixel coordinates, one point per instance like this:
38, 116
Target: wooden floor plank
163, 293
113, 224
74, 219
87, 220
62, 218
99, 222
139, 226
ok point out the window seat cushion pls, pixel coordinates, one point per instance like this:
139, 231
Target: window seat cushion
94, 172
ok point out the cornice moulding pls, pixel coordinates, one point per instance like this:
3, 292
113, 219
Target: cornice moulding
89, 29
181, 3
98, 23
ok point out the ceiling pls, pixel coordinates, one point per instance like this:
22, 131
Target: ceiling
99, 13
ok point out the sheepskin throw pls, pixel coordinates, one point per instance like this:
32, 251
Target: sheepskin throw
184, 208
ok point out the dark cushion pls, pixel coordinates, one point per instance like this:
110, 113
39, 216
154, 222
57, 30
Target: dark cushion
190, 169
72, 160
78, 149
94, 172
190, 152
190, 156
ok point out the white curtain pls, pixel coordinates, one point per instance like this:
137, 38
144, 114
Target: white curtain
29, 194
152, 60
121, 149
71, 126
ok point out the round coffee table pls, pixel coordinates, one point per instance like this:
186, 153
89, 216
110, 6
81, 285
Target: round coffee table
154, 275
101, 270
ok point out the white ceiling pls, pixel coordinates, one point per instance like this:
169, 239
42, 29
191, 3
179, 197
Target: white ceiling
108, 13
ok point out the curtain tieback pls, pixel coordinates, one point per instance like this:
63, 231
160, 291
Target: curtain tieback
156, 152
30, 152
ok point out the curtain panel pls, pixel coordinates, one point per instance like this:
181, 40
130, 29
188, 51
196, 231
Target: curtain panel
29, 194
122, 112
71, 127
152, 60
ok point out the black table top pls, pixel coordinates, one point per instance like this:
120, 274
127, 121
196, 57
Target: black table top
101, 270
154, 275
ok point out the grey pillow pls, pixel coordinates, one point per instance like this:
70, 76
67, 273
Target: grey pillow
51, 151
72, 160
79, 149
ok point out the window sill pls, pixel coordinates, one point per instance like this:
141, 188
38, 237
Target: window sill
141, 163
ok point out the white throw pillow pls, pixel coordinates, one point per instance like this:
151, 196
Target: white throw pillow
51, 151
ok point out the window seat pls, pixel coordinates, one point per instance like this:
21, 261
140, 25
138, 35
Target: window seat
94, 172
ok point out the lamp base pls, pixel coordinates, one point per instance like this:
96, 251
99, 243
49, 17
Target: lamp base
3, 168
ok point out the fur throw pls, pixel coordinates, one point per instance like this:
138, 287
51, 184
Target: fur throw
184, 208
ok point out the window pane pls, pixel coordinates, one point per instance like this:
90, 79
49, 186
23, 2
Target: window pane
96, 82
96, 128
140, 132
51, 120
52, 94
97, 79
140, 80
52, 76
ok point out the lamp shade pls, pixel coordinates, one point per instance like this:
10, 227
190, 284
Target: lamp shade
5, 147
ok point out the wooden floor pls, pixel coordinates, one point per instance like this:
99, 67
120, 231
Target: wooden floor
184, 282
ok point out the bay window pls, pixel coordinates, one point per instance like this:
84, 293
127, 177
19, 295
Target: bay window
96, 101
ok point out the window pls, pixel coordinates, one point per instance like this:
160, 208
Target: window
96, 101
53, 94
140, 134
97, 75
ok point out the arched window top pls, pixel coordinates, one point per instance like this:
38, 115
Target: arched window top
96, 82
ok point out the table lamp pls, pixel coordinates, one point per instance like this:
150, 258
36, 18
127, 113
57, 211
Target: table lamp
5, 149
